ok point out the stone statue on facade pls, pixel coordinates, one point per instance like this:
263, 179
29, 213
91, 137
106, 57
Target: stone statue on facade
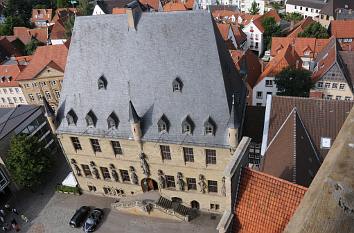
144, 165
162, 180
114, 173
202, 184
95, 173
133, 176
77, 169
223, 186
180, 181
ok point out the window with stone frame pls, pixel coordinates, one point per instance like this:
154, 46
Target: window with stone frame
105, 173
341, 86
71, 117
254, 155
86, 170
334, 85
259, 95
48, 95
125, 175
107, 190
76, 143
210, 156
170, 182
319, 84
117, 149
327, 85
165, 152
112, 121
91, 188
95, 145
212, 186
191, 183
188, 154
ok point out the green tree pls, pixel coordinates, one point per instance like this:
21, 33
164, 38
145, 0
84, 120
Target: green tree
31, 47
28, 161
20, 9
6, 28
271, 29
314, 30
84, 7
254, 8
294, 16
294, 82
69, 24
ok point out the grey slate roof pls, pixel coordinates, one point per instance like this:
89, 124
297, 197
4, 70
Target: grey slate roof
332, 5
316, 4
108, 5
10, 118
140, 66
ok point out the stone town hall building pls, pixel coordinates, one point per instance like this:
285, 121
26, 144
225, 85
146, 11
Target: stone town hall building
151, 103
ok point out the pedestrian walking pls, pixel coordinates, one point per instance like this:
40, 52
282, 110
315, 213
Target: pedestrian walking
2, 212
5, 227
7, 207
15, 211
2, 220
24, 218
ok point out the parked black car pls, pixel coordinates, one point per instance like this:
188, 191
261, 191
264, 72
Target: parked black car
79, 216
93, 220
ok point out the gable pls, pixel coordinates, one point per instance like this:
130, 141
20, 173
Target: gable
98, 11
334, 73
49, 72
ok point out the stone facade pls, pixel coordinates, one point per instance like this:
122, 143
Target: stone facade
208, 201
46, 84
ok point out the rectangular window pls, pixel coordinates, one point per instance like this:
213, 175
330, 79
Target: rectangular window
165, 152
15, 99
191, 184
5, 91
57, 93
307, 9
188, 154
338, 97
341, 86
95, 145
327, 85
91, 188
39, 96
212, 186
107, 190
34, 84
76, 143
269, 83
329, 97
125, 175
170, 182
21, 99
334, 85
210, 156
17, 90
347, 98
11, 91
117, 149
320, 85
31, 97
9, 100
47, 95
86, 170
269, 93
259, 95
105, 173
53, 83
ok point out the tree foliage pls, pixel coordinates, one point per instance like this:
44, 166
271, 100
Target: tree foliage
271, 28
314, 30
31, 47
254, 8
294, 16
294, 82
69, 24
6, 28
84, 7
28, 161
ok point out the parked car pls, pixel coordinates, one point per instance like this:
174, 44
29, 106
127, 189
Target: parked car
266, 56
79, 216
93, 220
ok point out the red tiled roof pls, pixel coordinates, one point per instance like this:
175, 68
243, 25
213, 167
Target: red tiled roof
63, 14
7, 71
25, 34
258, 21
240, 36
301, 26
41, 14
174, 6
224, 13
325, 60
285, 58
265, 203
52, 55
254, 67
342, 28
154, 4
302, 45
119, 11
7, 47
189, 4
58, 30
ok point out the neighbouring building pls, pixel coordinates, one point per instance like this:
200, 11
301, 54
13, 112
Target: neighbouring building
26, 34
41, 17
300, 27
333, 73
307, 8
343, 30
8, 50
57, 33
328, 12
44, 74
297, 135
233, 36
245, 5
306, 48
103, 7
254, 31
344, 14
25, 119
177, 134
11, 93
265, 85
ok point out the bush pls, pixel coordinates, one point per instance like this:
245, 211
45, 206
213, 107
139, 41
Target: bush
67, 189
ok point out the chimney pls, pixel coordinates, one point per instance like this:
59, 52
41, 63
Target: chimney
133, 13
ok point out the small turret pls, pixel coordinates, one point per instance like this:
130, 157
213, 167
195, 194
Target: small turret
50, 115
134, 120
232, 126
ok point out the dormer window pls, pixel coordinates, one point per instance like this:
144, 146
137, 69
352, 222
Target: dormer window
177, 85
209, 127
102, 83
163, 124
325, 143
71, 117
112, 121
91, 119
187, 125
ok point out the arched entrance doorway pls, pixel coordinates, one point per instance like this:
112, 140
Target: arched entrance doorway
195, 205
148, 184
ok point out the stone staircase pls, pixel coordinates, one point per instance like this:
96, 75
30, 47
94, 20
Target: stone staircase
179, 209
